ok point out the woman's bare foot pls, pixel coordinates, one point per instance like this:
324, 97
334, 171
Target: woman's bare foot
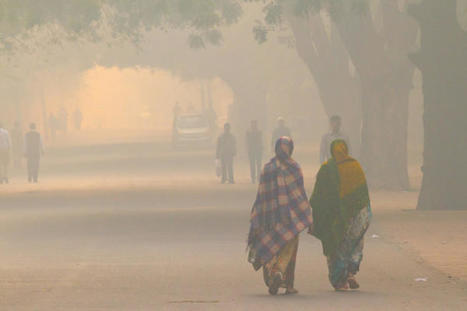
342, 288
291, 291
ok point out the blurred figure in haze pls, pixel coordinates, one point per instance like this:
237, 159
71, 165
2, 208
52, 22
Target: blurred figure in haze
53, 126
34, 149
280, 131
177, 110
335, 133
225, 153
17, 144
63, 119
78, 119
211, 115
254, 144
5, 149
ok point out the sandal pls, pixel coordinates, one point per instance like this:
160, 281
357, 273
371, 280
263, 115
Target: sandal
353, 282
275, 283
291, 291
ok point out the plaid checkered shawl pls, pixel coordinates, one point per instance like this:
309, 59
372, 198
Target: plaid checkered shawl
281, 210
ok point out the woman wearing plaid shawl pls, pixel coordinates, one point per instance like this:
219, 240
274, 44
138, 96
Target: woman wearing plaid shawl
342, 214
281, 211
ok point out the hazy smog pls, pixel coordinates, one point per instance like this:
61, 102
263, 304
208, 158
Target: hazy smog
154, 154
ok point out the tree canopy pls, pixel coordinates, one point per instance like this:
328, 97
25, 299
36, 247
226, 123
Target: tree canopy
118, 18
274, 11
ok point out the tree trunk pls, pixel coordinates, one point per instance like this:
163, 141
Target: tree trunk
386, 82
442, 61
329, 63
384, 135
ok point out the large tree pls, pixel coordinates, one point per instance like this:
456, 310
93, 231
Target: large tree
384, 73
381, 58
325, 55
442, 60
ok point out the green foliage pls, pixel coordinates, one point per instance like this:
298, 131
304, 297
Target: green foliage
303, 7
75, 15
196, 41
124, 18
273, 14
260, 32
214, 37
274, 11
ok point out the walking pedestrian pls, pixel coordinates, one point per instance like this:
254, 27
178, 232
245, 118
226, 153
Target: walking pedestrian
34, 149
225, 152
17, 142
254, 144
342, 215
281, 211
5, 150
281, 130
335, 124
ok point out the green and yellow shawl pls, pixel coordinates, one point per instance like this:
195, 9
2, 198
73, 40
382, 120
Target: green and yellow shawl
340, 193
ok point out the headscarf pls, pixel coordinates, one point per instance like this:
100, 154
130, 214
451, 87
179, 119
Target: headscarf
281, 209
339, 150
340, 193
284, 148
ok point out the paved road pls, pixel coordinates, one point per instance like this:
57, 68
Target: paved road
150, 245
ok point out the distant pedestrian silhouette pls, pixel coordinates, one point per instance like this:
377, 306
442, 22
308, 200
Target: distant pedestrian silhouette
34, 149
17, 144
335, 123
78, 119
254, 144
280, 131
5, 150
225, 152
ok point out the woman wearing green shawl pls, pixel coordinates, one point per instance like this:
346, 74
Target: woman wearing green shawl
342, 214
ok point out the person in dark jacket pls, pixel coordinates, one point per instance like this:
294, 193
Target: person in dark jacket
254, 144
280, 131
225, 152
17, 144
5, 150
34, 149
